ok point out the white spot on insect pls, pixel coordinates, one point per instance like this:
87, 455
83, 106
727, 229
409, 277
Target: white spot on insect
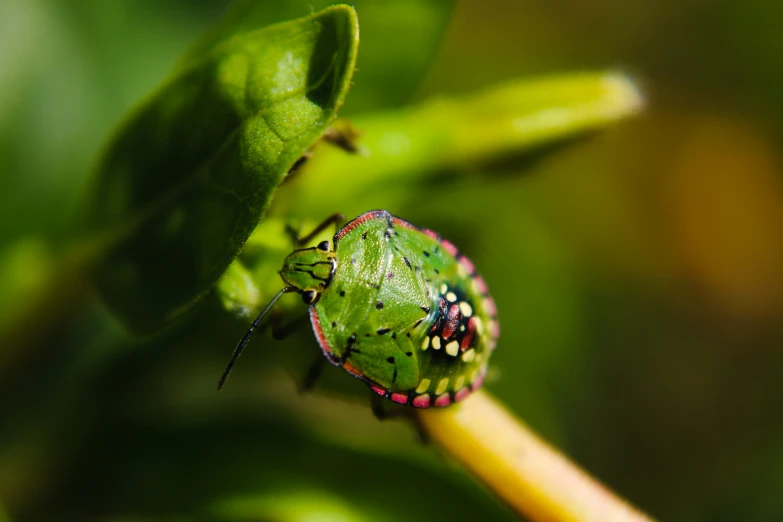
469, 355
444, 288
479, 325
436, 343
459, 382
424, 385
452, 348
465, 309
462, 328
442, 385
425, 343
451, 297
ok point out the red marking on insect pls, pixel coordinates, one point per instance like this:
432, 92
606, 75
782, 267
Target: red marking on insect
469, 333
320, 336
422, 401
443, 400
431, 233
348, 367
449, 247
402, 223
358, 221
467, 264
380, 391
452, 321
461, 394
400, 398
489, 304
482, 286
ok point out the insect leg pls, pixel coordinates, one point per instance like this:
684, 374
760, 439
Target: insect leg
281, 332
334, 218
378, 406
313, 374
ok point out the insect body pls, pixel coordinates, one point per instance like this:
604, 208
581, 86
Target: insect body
398, 307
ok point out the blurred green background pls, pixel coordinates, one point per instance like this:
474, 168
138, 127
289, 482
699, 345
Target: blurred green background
637, 272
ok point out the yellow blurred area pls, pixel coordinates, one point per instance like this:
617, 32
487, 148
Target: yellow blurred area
722, 203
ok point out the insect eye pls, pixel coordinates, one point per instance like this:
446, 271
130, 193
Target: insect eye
308, 296
323, 245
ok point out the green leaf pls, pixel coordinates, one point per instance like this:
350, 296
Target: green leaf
191, 174
400, 39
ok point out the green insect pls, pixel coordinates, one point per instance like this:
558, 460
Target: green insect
396, 306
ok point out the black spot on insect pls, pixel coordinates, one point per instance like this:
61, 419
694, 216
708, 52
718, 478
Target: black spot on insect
349, 350
342, 293
436, 250
377, 287
334, 324
426, 309
364, 235
353, 260
390, 275
390, 360
416, 268
394, 378
379, 305
382, 331
367, 334
387, 235
407, 262
352, 339
396, 233
426, 254
427, 280
394, 335
408, 334
436, 271
417, 323
409, 354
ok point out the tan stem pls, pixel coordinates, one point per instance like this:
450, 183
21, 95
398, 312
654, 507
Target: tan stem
521, 469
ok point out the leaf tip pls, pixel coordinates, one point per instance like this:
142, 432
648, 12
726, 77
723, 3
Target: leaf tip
626, 94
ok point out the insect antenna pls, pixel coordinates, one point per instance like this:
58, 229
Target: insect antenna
246, 338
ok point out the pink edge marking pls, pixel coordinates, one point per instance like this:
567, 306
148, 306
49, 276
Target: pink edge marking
494, 328
431, 233
443, 400
467, 264
479, 381
358, 221
320, 337
461, 394
380, 391
400, 398
422, 401
482, 285
489, 304
449, 247
402, 223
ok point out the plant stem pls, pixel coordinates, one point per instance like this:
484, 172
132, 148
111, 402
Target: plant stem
534, 479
